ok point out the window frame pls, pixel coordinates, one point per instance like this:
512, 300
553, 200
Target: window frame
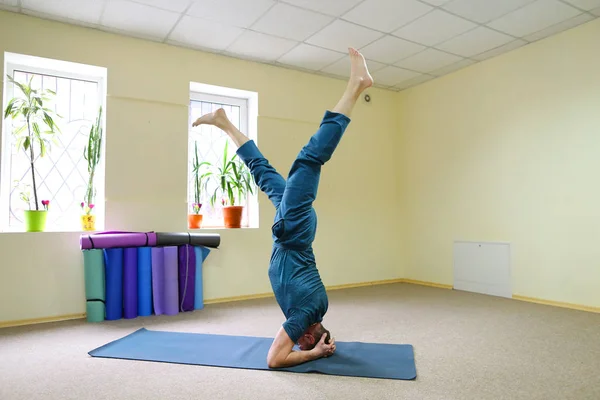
247, 101
59, 69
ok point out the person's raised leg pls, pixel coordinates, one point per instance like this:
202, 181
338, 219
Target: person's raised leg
265, 176
360, 79
304, 176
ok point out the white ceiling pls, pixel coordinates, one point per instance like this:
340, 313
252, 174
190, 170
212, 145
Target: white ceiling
406, 42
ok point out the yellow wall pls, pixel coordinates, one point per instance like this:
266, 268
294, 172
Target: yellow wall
148, 83
509, 150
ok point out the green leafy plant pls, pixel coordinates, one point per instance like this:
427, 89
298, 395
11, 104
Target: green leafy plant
36, 117
200, 179
92, 153
233, 179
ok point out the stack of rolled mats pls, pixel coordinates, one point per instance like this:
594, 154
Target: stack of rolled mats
135, 274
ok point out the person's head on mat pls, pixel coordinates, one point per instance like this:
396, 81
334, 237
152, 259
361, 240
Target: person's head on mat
312, 336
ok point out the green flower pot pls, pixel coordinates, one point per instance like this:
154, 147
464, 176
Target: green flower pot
35, 221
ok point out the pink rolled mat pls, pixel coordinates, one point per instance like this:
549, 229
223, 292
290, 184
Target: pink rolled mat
171, 299
158, 279
112, 239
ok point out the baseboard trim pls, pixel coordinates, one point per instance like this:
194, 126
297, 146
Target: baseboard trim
430, 284
268, 295
571, 306
35, 321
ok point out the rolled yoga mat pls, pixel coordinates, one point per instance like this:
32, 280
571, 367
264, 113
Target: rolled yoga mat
93, 272
113, 239
171, 281
368, 360
187, 277
144, 280
158, 279
193, 239
114, 283
130, 286
200, 253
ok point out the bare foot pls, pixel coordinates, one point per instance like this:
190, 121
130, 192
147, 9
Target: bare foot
359, 73
217, 118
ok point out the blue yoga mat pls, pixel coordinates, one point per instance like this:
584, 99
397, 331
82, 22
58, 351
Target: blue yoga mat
114, 283
201, 253
130, 284
144, 293
369, 360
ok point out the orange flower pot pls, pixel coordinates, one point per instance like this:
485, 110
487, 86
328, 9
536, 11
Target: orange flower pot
232, 216
194, 221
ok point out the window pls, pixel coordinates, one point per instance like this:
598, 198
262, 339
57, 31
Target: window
62, 173
210, 144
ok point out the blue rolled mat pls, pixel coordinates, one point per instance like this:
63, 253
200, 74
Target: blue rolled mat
158, 279
187, 277
171, 281
130, 286
201, 253
368, 360
144, 289
114, 283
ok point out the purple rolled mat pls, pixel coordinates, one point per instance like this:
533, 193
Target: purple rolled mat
171, 299
130, 277
187, 277
158, 279
112, 239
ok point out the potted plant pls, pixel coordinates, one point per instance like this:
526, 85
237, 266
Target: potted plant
234, 182
37, 128
195, 218
91, 153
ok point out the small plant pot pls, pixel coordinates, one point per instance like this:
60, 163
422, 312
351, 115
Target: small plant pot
88, 222
35, 220
232, 216
194, 221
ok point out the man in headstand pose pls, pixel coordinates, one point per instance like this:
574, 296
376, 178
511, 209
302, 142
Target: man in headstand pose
293, 272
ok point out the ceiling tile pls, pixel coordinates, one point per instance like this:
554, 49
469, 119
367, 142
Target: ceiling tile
310, 57
88, 11
241, 13
414, 82
585, 4
428, 60
291, 22
560, 27
435, 27
170, 5
475, 42
484, 11
342, 67
330, 7
201, 33
259, 46
452, 67
391, 76
390, 49
148, 21
436, 3
534, 17
596, 11
341, 34
515, 44
387, 15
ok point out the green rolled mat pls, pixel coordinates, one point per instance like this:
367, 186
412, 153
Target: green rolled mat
95, 311
95, 292
93, 263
